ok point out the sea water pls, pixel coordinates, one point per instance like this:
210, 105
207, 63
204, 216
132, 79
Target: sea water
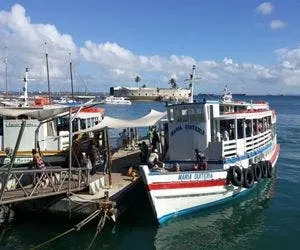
267, 218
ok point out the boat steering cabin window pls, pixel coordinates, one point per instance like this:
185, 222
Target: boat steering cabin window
186, 114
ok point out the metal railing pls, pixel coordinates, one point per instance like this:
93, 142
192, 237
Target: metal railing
229, 148
27, 184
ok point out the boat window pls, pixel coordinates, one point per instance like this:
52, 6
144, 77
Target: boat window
82, 124
200, 114
184, 113
177, 115
240, 128
248, 129
62, 124
227, 129
23, 117
75, 125
192, 115
89, 122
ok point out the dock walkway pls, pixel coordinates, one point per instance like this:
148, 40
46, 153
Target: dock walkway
80, 192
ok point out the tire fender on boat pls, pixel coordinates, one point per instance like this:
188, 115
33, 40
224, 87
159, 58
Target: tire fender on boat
236, 176
264, 169
257, 171
269, 169
248, 177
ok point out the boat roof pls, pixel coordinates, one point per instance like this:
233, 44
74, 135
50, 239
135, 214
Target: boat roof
148, 120
35, 113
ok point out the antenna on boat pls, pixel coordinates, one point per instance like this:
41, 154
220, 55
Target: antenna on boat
71, 76
191, 85
25, 92
227, 96
47, 66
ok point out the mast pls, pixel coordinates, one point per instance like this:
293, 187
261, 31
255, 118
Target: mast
47, 66
71, 75
192, 78
25, 93
5, 62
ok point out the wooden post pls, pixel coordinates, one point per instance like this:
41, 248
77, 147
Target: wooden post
70, 150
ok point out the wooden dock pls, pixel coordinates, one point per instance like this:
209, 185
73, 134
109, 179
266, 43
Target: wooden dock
85, 193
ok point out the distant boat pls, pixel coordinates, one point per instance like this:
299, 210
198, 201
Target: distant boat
117, 100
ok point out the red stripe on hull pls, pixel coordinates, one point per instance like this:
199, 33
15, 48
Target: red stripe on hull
197, 184
194, 184
276, 153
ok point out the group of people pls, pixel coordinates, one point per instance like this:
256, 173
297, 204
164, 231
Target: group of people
95, 159
128, 138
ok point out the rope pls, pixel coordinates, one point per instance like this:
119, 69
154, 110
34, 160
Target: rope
77, 227
99, 228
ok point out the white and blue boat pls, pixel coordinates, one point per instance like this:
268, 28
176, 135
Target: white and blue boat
214, 151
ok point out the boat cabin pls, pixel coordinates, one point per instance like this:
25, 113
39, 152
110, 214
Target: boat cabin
52, 136
220, 129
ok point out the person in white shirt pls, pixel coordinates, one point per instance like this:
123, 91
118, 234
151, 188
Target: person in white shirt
153, 158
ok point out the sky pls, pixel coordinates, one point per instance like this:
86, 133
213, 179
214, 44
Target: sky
252, 46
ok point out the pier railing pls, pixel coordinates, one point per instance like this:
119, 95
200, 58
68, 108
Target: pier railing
27, 184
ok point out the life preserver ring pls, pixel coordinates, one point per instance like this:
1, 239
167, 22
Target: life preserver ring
236, 176
257, 172
248, 177
264, 169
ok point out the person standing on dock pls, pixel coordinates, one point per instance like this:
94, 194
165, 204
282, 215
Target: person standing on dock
132, 139
144, 152
155, 140
150, 134
123, 138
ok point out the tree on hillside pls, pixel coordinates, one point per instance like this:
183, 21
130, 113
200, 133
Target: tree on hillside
137, 79
173, 83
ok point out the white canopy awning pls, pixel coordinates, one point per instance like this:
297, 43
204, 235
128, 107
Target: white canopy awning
148, 120
38, 113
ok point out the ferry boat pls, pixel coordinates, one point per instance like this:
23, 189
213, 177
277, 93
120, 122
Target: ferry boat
214, 152
117, 100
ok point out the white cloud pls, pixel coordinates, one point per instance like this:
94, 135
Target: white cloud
109, 64
265, 8
25, 42
277, 24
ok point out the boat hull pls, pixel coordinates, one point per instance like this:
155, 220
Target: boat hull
177, 193
25, 158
